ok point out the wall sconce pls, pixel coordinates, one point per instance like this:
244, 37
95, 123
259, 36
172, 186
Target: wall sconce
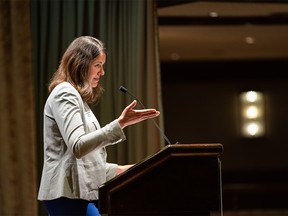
252, 114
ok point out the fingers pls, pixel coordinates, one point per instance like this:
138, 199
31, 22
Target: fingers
145, 114
132, 104
148, 112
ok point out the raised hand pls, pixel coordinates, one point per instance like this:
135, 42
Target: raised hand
131, 116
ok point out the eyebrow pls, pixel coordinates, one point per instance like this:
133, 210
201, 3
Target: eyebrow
98, 61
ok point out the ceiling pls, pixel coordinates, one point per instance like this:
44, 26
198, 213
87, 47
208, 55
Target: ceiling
222, 30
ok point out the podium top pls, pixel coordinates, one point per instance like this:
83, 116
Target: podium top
204, 148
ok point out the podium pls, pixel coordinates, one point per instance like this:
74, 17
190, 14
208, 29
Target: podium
180, 179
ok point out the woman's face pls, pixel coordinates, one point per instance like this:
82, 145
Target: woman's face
96, 69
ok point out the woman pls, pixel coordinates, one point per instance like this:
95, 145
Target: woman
74, 143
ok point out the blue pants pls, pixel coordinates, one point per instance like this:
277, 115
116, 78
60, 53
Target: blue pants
72, 207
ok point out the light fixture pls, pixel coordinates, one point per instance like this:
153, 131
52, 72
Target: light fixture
252, 114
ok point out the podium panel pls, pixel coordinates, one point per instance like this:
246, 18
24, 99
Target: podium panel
181, 179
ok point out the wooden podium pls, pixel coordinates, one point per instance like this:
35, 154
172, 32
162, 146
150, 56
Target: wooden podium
180, 179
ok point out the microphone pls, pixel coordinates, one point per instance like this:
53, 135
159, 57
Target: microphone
125, 90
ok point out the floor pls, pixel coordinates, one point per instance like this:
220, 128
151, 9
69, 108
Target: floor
252, 213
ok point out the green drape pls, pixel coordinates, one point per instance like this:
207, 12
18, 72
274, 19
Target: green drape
129, 30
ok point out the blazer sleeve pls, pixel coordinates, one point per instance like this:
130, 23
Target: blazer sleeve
68, 110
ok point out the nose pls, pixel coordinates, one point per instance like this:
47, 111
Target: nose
101, 72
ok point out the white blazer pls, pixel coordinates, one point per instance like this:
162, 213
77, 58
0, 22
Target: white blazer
74, 147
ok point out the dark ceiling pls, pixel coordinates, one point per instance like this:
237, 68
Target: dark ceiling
221, 30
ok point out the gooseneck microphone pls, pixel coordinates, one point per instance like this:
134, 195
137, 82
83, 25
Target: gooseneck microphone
125, 90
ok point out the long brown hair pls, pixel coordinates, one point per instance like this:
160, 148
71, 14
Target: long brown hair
74, 67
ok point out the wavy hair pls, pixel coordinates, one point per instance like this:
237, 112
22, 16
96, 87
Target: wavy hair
74, 67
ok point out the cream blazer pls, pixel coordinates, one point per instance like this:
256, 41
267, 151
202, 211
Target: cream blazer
74, 147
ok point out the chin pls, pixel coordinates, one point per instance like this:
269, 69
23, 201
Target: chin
94, 84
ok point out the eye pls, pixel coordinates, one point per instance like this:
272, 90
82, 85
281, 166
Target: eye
98, 65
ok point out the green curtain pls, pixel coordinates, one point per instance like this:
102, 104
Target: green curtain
129, 30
